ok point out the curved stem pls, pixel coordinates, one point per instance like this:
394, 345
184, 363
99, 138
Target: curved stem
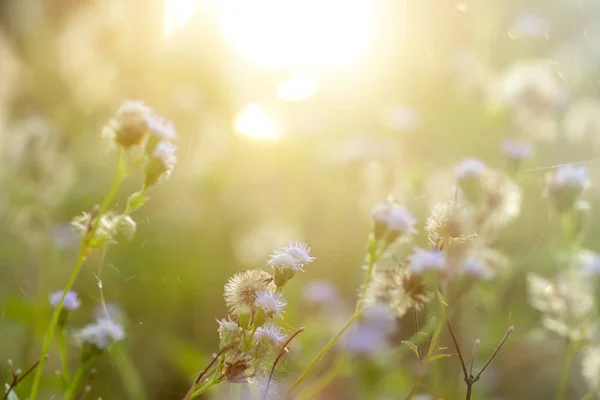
417, 383
563, 385
74, 272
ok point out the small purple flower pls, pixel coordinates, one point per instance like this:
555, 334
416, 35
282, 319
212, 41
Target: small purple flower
589, 262
365, 339
271, 302
477, 268
380, 317
517, 149
320, 292
424, 260
571, 175
102, 333
270, 333
470, 168
394, 217
70, 303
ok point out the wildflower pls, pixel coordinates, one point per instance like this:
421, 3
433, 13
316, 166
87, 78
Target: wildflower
320, 292
476, 267
469, 174
161, 162
424, 260
104, 232
130, 124
235, 368
393, 219
102, 333
70, 303
241, 291
399, 290
163, 131
531, 86
228, 330
517, 149
566, 185
288, 260
269, 333
446, 223
270, 302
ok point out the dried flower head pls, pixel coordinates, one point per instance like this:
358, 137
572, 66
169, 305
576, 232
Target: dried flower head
399, 290
70, 303
426, 260
532, 86
501, 202
447, 222
235, 368
102, 333
241, 290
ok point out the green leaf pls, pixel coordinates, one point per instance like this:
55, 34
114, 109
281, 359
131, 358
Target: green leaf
413, 347
137, 200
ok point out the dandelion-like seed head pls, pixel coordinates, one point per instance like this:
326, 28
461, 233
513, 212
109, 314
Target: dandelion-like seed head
270, 333
242, 288
102, 333
501, 198
426, 260
447, 222
399, 290
70, 303
271, 302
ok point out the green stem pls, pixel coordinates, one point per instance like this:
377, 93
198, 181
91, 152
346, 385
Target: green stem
373, 257
563, 385
417, 383
79, 374
63, 355
322, 353
204, 388
75, 271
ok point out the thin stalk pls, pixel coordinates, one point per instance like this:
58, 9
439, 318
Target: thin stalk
192, 391
469, 388
417, 383
322, 353
74, 273
79, 374
18, 379
64, 371
563, 385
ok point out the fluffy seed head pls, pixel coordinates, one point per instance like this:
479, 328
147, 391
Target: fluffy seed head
242, 288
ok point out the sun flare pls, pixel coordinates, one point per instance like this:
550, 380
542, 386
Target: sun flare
254, 121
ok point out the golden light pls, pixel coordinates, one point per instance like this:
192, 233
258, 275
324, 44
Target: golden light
297, 88
178, 14
298, 33
255, 122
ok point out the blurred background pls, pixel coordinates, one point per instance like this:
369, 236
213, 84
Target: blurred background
294, 118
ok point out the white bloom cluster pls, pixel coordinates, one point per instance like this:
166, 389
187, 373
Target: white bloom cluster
102, 333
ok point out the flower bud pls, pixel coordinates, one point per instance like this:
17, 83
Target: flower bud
260, 317
244, 316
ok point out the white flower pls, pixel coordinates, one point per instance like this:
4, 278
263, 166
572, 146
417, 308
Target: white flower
271, 302
294, 257
227, 328
394, 217
269, 333
424, 260
71, 301
161, 129
470, 168
165, 152
102, 333
517, 149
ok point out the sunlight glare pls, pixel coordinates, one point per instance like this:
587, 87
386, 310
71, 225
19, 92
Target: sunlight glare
298, 33
254, 122
297, 88
177, 14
